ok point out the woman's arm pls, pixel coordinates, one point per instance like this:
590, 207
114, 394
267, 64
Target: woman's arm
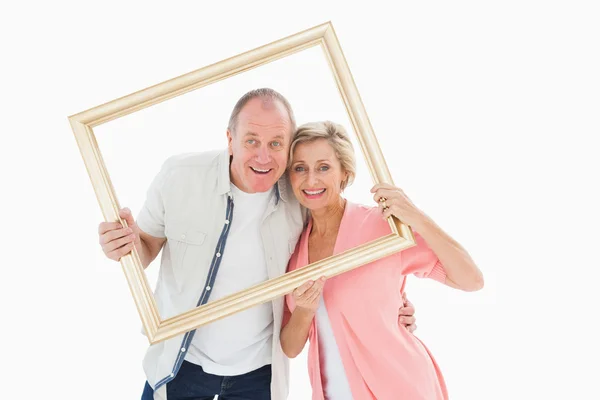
461, 271
294, 333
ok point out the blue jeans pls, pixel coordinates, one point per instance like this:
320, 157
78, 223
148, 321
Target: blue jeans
192, 383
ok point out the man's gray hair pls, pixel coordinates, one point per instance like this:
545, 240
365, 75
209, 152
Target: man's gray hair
268, 95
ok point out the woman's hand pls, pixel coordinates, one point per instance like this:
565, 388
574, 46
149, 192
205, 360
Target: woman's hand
306, 297
393, 201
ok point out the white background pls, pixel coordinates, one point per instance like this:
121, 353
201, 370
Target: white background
488, 115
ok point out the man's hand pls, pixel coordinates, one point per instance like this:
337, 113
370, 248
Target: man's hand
406, 315
117, 241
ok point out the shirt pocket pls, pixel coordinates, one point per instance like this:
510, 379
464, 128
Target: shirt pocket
186, 246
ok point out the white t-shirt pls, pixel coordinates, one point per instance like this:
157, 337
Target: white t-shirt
333, 375
242, 342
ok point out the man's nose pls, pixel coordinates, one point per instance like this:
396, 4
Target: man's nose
262, 155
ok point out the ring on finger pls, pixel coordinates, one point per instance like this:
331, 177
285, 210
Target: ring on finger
383, 203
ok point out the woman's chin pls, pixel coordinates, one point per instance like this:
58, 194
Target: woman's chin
314, 204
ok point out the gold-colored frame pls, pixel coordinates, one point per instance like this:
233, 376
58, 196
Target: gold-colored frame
83, 123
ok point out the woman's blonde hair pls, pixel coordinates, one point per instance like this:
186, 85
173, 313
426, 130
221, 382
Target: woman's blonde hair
338, 139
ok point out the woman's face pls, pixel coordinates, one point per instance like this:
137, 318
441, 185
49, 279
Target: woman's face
316, 174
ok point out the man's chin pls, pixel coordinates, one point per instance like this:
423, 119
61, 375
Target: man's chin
260, 185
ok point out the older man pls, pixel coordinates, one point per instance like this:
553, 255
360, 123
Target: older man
227, 220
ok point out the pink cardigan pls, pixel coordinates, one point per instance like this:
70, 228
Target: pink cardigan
381, 358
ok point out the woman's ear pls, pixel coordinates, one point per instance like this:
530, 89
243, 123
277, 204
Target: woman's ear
344, 182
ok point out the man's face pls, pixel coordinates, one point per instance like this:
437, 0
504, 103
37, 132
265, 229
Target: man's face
259, 146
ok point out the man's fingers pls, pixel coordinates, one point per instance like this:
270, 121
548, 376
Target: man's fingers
115, 234
407, 310
120, 252
108, 226
407, 302
116, 244
406, 320
127, 215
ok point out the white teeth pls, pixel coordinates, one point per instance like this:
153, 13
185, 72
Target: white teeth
313, 192
260, 170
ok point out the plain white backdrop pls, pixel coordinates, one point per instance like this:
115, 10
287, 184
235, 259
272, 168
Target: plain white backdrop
488, 116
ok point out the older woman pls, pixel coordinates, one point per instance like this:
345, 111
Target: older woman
358, 350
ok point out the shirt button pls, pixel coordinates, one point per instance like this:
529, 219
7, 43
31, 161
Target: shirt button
226, 221
183, 349
172, 375
208, 288
182, 236
218, 254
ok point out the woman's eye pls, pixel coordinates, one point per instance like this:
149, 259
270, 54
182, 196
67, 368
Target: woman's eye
324, 168
299, 169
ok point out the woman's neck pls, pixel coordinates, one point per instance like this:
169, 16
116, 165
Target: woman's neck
327, 219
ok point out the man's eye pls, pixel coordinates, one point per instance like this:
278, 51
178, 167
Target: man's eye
251, 141
276, 144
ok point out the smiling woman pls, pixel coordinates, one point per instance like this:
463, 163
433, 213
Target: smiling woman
353, 316
307, 169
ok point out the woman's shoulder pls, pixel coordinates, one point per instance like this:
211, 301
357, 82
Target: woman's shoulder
367, 220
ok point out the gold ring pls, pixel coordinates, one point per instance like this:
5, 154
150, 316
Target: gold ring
383, 203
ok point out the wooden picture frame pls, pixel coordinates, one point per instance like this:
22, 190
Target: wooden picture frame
400, 238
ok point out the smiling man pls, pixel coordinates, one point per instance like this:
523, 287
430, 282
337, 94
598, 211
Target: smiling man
225, 221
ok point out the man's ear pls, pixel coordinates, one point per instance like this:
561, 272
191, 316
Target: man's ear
230, 142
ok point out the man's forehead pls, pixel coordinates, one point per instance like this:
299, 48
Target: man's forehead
256, 125
259, 107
